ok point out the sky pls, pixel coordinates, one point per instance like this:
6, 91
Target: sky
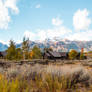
43, 19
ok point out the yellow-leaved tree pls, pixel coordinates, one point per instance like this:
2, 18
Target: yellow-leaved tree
73, 54
36, 53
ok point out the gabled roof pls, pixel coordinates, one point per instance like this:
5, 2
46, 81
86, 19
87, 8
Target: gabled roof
47, 54
63, 54
55, 54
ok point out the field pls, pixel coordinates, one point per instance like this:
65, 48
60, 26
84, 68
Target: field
46, 76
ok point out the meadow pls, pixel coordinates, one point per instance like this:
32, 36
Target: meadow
59, 76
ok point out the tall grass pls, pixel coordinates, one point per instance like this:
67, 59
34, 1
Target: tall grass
37, 85
47, 78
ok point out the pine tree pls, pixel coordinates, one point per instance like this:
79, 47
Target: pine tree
11, 51
18, 54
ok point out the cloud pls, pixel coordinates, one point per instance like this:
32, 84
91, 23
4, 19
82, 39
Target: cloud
5, 17
61, 31
38, 6
41, 34
81, 20
12, 5
57, 21
4, 42
81, 36
30, 34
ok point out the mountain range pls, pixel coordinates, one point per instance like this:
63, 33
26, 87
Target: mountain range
3, 46
56, 44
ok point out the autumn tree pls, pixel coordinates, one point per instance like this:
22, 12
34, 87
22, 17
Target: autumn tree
36, 53
25, 48
73, 54
82, 54
31, 54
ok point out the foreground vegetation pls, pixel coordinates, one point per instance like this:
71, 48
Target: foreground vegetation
45, 78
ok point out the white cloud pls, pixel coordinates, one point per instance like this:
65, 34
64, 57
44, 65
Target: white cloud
4, 42
30, 35
5, 17
81, 36
59, 30
57, 21
18, 41
41, 34
38, 6
12, 5
81, 20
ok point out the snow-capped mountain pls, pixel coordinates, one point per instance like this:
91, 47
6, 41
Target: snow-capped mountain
57, 44
3, 46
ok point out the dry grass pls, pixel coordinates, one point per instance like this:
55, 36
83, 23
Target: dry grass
47, 78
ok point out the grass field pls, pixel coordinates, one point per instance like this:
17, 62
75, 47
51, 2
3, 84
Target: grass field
59, 76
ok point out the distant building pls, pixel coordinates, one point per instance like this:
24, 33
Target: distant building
55, 55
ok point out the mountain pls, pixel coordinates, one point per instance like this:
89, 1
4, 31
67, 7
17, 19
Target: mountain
3, 47
63, 45
57, 44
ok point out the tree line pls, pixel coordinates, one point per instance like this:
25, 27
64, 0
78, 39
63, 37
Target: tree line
24, 52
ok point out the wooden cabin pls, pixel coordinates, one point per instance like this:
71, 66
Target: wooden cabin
55, 55
64, 55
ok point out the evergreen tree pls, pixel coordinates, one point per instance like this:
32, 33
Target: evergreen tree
11, 51
18, 54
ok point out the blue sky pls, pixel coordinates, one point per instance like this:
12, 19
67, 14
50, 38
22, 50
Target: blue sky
41, 19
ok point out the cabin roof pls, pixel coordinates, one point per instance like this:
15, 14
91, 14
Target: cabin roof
63, 53
47, 54
55, 54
